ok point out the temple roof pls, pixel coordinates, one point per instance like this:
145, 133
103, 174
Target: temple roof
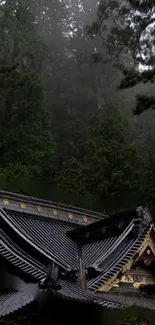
87, 251
11, 301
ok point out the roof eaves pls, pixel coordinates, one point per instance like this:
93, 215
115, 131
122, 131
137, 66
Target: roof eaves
11, 301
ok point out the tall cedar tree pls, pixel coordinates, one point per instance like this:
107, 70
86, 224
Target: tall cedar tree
26, 144
110, 164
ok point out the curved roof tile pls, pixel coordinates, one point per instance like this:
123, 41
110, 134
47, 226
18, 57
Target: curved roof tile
47, 236
19, 259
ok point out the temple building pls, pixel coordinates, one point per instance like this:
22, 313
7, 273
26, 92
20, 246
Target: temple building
57, 260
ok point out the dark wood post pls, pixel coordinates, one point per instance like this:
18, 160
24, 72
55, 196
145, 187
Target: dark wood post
81, 270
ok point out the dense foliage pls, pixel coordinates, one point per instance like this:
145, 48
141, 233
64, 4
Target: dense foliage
127, 31
63, 122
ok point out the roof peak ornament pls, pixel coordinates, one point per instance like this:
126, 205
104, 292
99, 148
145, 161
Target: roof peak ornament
145, 214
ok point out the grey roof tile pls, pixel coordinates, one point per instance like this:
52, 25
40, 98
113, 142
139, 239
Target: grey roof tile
47, 236
11, 301
19, 259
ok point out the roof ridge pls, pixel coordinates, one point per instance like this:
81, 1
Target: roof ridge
34, 200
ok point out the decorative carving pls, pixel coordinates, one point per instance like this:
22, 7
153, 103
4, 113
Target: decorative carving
137, 277
113, 281
147, 216
147, 257
52, 278
147, 245
109, 284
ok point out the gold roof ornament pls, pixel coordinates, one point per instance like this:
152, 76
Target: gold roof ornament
55, 212
85, 219
39, 209
6, 202
22, 205
70, 216
120, 224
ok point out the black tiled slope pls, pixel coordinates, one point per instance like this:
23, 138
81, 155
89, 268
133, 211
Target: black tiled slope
96, 254
93, 251
12, 301
19, 259
49, 236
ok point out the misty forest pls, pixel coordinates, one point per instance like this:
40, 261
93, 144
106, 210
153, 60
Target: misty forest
77, 101
77, 118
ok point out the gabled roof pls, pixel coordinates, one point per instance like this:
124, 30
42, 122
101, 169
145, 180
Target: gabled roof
114, 260
89, 247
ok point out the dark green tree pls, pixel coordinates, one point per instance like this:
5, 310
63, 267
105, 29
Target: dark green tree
27, 143
127, 30
110, 164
